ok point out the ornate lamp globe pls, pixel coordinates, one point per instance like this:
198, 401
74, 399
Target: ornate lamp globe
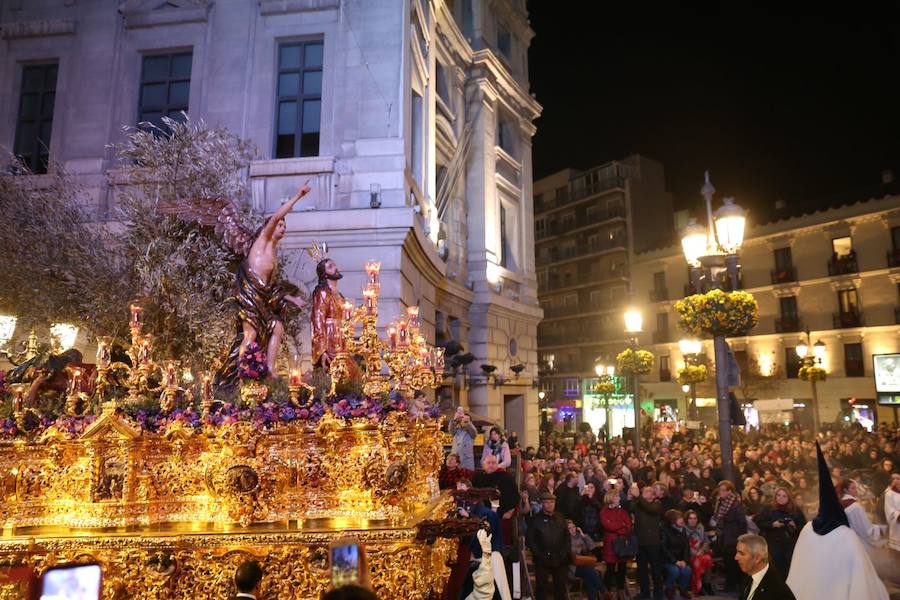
730, 221
802, 349
694, 242
689, 346
819, 350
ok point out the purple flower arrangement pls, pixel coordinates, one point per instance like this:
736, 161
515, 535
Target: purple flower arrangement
74, 426
265, 416
157, 421
252, 364
8, 428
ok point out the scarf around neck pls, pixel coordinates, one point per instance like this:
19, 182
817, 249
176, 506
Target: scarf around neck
722, 508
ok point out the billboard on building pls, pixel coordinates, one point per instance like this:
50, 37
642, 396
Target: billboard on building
887, 378
887, 373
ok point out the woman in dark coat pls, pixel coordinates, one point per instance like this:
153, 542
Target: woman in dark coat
676, 552
589, 518
780, 523
730, 522
616, 525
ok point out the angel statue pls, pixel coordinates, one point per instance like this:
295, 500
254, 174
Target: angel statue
260, 297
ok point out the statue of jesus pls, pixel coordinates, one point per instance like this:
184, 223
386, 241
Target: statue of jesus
327, 305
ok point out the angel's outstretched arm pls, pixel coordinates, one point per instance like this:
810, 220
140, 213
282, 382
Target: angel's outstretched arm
282, 212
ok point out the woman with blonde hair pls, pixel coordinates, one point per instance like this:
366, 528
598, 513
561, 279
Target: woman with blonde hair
617, 525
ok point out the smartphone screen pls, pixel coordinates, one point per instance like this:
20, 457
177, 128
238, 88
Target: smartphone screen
75, 582
345, 563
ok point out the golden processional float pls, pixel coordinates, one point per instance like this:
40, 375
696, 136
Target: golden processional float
170, 500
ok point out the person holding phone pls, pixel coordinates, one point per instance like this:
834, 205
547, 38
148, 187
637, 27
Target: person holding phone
780, 524
463, 433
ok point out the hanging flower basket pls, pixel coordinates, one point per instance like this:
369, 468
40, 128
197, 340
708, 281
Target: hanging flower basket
718, 313
605, 387
811, 373
692, 374
631, 362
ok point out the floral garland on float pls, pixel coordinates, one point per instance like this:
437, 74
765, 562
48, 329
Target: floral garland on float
718, 313
634, 362
692, 374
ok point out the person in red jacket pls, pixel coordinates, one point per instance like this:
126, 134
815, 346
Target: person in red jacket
616, 524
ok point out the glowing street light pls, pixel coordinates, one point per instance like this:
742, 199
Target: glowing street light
634, 321
730, 223
694, 242
690, 347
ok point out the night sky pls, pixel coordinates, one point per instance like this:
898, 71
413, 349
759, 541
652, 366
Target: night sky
776, 106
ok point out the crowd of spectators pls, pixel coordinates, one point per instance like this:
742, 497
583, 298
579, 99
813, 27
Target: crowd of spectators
590, 509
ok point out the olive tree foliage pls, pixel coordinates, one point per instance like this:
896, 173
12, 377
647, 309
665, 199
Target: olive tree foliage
68, 265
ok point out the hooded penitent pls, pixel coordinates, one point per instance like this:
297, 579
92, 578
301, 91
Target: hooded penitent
829, 561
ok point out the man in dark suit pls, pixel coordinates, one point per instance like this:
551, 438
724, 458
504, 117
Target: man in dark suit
246, 580
765, 583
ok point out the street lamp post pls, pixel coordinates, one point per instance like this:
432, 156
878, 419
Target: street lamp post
634, 323
712, 254
691, 349
605, 374
811, 360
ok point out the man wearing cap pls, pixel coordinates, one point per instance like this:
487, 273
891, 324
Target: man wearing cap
551, 548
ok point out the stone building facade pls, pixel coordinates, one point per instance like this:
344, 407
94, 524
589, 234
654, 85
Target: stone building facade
412, 119
834, 272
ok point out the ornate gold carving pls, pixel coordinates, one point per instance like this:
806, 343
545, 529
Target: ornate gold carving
114, 477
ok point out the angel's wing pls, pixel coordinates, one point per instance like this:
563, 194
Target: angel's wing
219, 213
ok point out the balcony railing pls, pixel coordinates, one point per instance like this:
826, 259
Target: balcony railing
843, 265
564, 311
665, 375
583, 249
581, 337
897, 315
659, 294
893, 258
843, 320
585, 278
606, 183
661, 337
613, 212
787, 325
785, 275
